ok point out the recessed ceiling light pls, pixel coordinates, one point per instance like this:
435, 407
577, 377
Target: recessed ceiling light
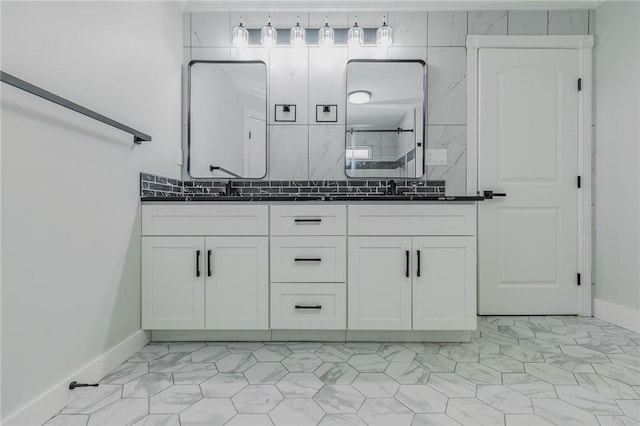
359, 97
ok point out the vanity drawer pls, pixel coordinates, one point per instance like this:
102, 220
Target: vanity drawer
308, 259
193, 219
308, 306
426, 219
309, 220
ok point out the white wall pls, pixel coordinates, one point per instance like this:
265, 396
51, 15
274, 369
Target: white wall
70, 196
617, 59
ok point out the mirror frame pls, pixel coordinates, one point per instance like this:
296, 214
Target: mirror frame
424, 112
266, 108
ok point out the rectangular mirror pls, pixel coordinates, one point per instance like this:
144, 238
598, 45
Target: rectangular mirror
385, 118
227, 122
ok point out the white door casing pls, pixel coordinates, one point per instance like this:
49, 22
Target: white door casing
527, 128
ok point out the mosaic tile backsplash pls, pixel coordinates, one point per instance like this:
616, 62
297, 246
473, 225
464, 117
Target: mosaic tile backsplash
159, 186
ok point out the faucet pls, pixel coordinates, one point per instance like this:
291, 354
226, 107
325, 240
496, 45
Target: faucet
229, 190
391, 187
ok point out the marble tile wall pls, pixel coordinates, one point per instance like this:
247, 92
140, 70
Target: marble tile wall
312, 75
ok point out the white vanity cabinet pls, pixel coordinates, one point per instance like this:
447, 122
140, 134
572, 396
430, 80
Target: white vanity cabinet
205, 267
412, 267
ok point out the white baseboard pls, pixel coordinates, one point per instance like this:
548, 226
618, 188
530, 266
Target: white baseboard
619, 315
46, 405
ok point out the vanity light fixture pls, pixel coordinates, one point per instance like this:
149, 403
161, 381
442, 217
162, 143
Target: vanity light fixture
359, 97
297, 35
240, 35
384, 34
268, 35
326, 34
355, 37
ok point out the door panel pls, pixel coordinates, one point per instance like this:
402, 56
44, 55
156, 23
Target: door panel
237, 292
528, 149
172, 293
379, 292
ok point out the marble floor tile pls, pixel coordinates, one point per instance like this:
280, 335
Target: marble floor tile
121, 412
452, 385
385, 411
146, 386
94, 399
257, 399
195, 373
235, 363
208, 411
336, 373
223, 385
522, 370
298, 385
407, 373
299, 362
376, 385
468, 411
272, 353
369, 363
422, 399
174, 399
504, 399
559, 412
339, 399
159, 420
265, 373
297, 412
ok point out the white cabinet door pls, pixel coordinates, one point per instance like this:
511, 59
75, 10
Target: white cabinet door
173, 274
237, 290
379, 286
444, 283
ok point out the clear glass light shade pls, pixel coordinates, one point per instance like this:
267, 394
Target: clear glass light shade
298, 36
355, 36
240, 36
326, 35
384, 35
268, 36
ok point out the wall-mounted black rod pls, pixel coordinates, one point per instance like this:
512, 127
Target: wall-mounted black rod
75, 384
398, 130
138, 137
222, 169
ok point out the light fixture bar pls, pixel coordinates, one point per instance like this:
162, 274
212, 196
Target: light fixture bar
340, 36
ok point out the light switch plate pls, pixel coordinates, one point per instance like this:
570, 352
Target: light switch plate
436, 157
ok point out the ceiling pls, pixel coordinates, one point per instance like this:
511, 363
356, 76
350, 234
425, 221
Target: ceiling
386, 5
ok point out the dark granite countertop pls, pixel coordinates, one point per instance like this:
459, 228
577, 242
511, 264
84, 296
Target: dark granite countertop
375, 198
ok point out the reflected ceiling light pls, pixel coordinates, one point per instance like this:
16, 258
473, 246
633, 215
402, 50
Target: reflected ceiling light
355, 37
240, 35
384, 34
268, 35
359, 97
326, 34
297, 35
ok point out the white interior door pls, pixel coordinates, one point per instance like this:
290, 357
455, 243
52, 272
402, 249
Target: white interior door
528, 149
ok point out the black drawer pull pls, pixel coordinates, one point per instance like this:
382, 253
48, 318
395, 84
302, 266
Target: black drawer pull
197, 263
308, 306
208, 263
406, 271
318, 220
418, 268
308, 259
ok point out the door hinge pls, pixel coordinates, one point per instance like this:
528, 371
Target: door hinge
579, 181
249, 135
579, 84
579, 279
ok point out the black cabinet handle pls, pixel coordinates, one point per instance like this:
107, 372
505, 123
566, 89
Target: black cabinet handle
308, 306
406, 272
488, 195
208, 263
308, 259
197, 263
418, 268
307, 220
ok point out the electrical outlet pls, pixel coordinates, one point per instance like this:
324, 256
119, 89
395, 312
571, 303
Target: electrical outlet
436, 157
